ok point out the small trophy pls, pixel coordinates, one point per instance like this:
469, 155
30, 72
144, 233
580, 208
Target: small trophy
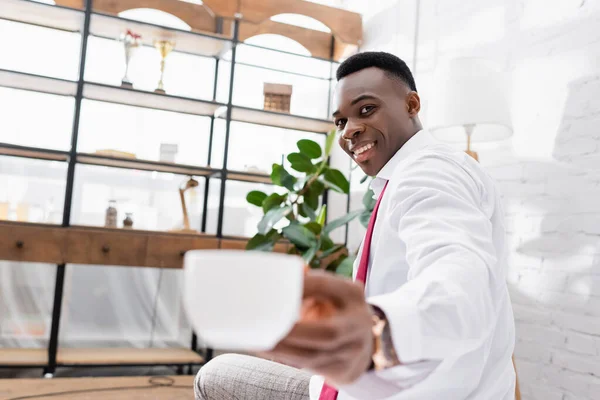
131, 42
164, 47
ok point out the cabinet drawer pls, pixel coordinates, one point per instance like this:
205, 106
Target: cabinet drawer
240, 244
32, 243
168, 251
106, 248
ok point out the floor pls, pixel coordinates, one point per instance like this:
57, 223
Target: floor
117, 388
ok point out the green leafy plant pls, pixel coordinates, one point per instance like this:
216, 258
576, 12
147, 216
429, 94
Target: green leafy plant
369, 204
298, 215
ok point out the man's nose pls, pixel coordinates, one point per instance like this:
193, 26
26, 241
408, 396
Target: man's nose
352, 130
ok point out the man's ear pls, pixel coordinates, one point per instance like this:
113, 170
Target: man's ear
413, 103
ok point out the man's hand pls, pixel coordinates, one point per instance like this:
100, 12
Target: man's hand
338, 346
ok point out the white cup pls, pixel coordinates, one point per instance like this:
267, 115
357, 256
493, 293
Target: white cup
242, 300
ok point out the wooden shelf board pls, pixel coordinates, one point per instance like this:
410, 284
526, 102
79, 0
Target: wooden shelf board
139, 98
248, 177
278, 120
125, 388
109, 26
123, 356
23, 357
145, 165
345, 24
32, 152
132, 163
37, 83
50, 16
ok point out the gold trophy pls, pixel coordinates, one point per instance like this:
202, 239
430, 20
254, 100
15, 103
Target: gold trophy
164, 47
189, 184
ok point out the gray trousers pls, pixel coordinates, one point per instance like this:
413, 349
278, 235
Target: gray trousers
238, 377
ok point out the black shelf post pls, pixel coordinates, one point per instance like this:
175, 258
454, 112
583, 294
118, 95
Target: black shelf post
194, 344
236, 32
60, 269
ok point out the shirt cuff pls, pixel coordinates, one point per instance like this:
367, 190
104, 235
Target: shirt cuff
403, 325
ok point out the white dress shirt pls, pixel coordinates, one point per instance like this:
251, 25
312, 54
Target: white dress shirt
437, 268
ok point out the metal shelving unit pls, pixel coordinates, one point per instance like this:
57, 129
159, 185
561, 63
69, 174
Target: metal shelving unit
89, 23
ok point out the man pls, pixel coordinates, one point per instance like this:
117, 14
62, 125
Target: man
434, 263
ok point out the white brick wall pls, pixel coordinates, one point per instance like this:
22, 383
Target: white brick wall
549, 172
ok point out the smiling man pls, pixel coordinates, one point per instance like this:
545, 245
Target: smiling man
429, 316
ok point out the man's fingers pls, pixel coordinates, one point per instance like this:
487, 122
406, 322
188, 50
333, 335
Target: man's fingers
315, 359
328, 333
325, 285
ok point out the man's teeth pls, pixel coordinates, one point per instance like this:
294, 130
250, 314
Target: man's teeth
363, 149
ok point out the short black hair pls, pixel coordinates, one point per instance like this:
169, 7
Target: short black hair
392, 65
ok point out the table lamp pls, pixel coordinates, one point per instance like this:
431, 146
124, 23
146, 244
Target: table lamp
468, 101
188, 184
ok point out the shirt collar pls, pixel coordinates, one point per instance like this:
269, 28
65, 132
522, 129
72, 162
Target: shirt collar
418, 141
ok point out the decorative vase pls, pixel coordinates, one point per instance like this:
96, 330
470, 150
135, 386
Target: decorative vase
128, 221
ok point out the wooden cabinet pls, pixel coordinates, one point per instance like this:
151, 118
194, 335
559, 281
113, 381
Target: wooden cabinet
102, 246
107, 247
33, 243
168, 251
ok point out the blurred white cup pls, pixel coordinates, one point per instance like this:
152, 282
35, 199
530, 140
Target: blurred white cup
242, 300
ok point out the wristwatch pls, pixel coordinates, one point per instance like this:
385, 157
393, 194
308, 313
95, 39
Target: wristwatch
384, 355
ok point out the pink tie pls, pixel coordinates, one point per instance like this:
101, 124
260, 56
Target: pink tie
328, 392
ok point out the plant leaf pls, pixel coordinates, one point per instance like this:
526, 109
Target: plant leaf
364, 178
326, 242
313, 227
299, 235
322, 215
276, 174
309, 254
256, 198
280, 177
317, 187
273, 235
272, 217
364, 218
271, 201
336, 181
329, 142
300, 162
260, 243
300, 182
309, 148
308, 212
345, 267
368, 200
311, 198
341, 221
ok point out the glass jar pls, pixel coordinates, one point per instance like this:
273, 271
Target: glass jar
111, 215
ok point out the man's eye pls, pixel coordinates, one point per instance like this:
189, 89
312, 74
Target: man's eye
366, 109
340, 123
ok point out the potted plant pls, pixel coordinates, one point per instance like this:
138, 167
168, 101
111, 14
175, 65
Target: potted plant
298, 215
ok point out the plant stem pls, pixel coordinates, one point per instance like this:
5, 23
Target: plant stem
312, 179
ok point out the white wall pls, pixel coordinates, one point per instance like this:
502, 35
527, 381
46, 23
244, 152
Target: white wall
549, 171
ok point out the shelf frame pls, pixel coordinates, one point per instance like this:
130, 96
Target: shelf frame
60, 269
43, 15
77, 89
7, 149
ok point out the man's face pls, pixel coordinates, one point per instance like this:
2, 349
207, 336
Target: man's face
372, 117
